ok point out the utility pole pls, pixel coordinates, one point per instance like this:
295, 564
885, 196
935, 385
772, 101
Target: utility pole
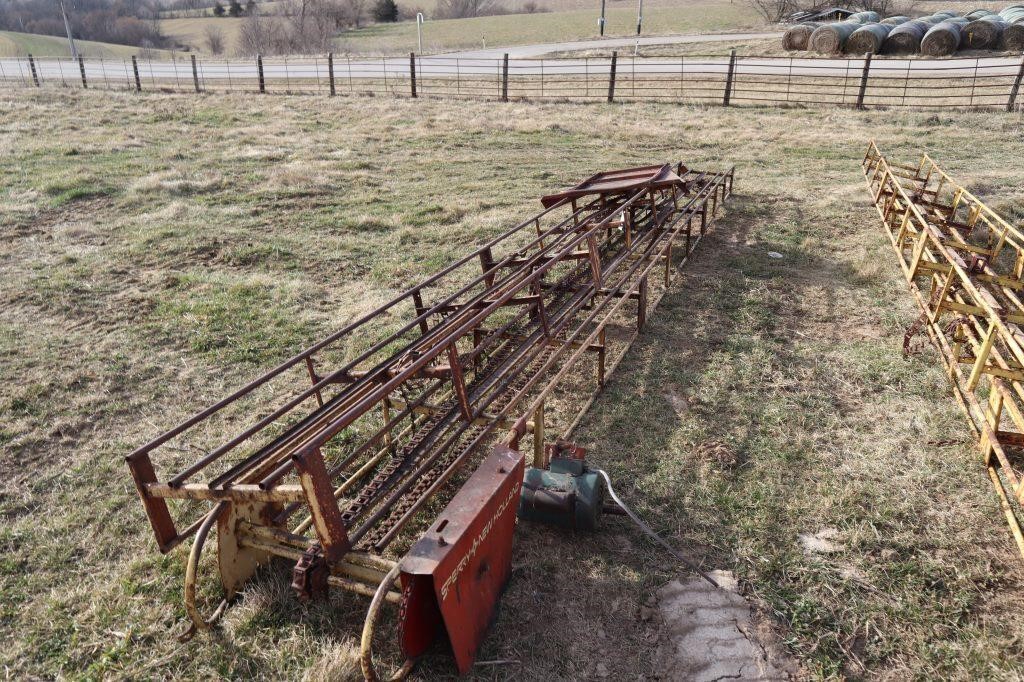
67, 27
639, 15
600, 22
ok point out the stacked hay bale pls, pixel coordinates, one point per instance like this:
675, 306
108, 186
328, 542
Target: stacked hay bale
906, 38
984, 30
830, 38
943, 38
1013, 33
797, 37
868, 38
864, 18
937, 35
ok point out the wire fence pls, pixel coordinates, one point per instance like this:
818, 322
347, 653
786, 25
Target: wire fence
974, 83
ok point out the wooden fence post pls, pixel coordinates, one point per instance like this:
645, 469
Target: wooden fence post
259, 73
728, 78
330, 71
195, 74
505, 78
611, 77
412, 73
32, 68
1016, 86
81, 68
864, 81
135, 69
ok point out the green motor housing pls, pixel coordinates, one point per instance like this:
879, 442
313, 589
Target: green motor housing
567, 495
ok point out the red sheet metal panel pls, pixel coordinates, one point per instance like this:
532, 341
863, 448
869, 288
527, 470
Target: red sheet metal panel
453, 576
617, 182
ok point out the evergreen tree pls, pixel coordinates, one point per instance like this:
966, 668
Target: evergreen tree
218, 9
385, 11
235, 8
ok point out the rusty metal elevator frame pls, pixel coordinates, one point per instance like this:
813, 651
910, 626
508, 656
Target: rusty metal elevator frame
347, 442
965, 267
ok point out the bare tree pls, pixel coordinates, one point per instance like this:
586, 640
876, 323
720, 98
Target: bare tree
888, 8
214, 40
299, 27
355, 11
462, 9
775, 11
262, 35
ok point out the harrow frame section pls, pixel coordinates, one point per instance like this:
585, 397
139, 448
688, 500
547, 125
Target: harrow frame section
965, 267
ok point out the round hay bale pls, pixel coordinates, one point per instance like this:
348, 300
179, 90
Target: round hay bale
942, 39
895, 21
797, 37
978, 14
867, 38
1013, 33
1013, 37
830, 38
1012, 14
984, 33
906, 38
864, 18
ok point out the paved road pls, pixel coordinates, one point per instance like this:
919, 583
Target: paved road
281, 72
524, 51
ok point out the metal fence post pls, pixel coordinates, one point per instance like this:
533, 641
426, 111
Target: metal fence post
135, 68
1016, 86
864, 81
195, 73
729, 77
412, 73
504, 78
259, 73
330, 71
611, 77
32, 68
81, 68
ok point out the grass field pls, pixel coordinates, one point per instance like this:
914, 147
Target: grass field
566, 20
145, 275
700, 16
14, 44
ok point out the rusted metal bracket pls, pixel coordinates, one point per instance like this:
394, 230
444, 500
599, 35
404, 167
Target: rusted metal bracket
309, 577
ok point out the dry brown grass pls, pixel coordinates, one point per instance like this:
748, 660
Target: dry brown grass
158, 251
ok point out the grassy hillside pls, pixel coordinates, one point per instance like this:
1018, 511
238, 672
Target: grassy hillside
191, 32
147, 274
568, 20
19, 44
700, 16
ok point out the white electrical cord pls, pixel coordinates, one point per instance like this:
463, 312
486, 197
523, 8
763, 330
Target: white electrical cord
650, 532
